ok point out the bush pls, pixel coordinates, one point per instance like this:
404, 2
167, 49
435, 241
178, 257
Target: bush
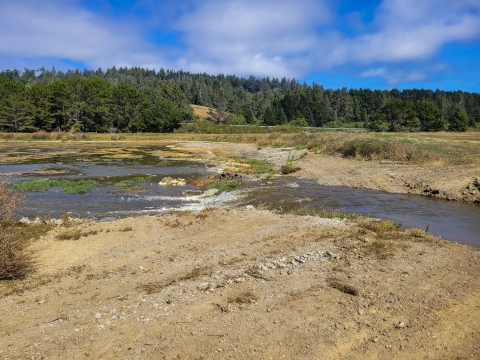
14, 262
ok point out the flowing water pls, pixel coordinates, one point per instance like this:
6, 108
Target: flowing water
109, 165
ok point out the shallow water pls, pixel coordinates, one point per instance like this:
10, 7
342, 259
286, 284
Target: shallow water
453, 221
110, 164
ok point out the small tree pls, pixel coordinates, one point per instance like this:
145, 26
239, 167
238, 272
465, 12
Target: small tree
429, 115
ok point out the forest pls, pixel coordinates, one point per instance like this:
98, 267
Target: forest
142, 100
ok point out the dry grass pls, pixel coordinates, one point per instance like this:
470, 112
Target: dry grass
9, 200
75, 234
342, 286
201, 111
246, 297
15, 263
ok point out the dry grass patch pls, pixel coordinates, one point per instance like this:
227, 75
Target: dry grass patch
15, 262
246, 297
342, 286
75, 234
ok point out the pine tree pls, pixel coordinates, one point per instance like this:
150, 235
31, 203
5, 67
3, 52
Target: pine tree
458, 121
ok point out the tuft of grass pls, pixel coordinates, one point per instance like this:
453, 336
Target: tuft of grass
244, 298
289, 167
75, 234
325, 214
225, 185
70, 187
379, 227
132, 185
342, 286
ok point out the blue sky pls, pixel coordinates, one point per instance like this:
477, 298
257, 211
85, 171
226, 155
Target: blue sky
379, 44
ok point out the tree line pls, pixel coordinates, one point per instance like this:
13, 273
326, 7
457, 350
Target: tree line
90, 105
137, 99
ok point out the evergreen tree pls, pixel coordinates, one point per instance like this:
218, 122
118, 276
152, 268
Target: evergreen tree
458, 121
430, 117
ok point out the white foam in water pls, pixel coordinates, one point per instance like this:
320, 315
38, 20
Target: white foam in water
195, 203
206, 194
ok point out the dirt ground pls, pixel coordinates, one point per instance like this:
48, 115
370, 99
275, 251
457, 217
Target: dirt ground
245, 283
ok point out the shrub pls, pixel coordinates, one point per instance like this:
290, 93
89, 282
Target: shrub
14, 262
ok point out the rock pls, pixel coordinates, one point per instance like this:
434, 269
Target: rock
250, 208
98, 315
168, 181
203, 286
400, 325
476, 183
230, 176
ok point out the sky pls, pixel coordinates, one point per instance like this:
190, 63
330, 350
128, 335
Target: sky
378, 44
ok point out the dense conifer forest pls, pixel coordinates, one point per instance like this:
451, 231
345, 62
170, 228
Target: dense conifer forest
142, 100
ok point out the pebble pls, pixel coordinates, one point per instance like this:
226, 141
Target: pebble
203, 286
98, 315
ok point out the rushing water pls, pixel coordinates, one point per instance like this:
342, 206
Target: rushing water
451, 220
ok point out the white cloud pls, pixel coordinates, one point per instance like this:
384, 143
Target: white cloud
394, 76
54, 29
246, 36
410, 30
266, 38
